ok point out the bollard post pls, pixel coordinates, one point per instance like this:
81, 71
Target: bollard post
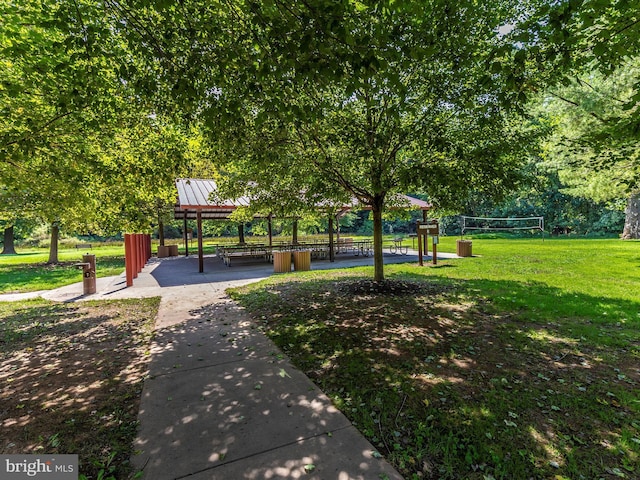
134, 256
89, 274
140, 252
435, 241
128, 258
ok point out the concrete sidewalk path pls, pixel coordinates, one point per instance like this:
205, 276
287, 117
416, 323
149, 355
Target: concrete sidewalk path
222, 402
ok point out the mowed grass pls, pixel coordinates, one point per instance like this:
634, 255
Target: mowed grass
27, 271
522, 362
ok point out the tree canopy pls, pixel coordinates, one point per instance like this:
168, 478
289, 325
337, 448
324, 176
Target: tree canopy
292, 102
341, 99
589, 50
78, 148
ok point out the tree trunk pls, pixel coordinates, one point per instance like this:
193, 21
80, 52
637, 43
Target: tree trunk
241, 239
8, 247
632, 218
378, 260
332, 253
161, 233
294, 235
53, 248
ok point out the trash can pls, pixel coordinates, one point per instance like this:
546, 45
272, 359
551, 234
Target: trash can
173, 250
463, 248
282, 261
163, 251
88, 267
302, 260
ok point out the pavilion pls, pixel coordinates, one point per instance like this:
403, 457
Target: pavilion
194, 203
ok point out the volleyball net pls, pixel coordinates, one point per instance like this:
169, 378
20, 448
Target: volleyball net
501, 223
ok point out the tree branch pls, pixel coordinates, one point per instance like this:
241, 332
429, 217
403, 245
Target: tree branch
361, 194
83, 27
141, 29
42, 127
584, 82
626, 27
575, 104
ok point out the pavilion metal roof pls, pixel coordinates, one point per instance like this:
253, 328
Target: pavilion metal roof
195, 195
405, 201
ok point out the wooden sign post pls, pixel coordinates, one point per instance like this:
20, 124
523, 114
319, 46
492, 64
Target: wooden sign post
424, 229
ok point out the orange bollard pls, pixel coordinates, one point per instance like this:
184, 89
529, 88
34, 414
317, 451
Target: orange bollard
134, 245
128, 258
147, 247
140, 253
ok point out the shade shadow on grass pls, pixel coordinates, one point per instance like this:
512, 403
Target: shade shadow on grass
470, 379
71, 377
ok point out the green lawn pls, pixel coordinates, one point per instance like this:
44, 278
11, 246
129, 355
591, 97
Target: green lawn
609, 267
27, 271
521, 362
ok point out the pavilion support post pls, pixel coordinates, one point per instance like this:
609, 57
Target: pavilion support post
241, 234
200, 252
185, 234
294, 238
338, 228
425, 239
332, 253
270, 230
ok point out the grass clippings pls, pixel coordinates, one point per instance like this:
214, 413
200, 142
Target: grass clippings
447, 384
71, 375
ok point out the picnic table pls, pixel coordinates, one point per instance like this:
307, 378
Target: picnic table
317, 250
229, 252
397, 248
363, 247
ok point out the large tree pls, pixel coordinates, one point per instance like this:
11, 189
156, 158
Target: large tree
375, 98
596, 156
588, 51
56, 96
78, 149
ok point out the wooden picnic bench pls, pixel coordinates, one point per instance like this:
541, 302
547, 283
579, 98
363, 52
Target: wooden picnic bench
83, 245
364, 247
237, 252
